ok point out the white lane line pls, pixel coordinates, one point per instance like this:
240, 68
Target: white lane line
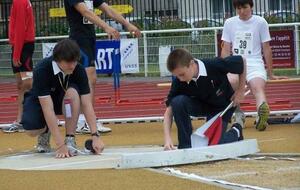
215, 182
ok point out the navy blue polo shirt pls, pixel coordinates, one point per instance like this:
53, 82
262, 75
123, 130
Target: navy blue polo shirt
46, 82
79, 26
213, 89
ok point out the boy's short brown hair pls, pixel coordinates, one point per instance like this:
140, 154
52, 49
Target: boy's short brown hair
179, 58
241, 3
66, 50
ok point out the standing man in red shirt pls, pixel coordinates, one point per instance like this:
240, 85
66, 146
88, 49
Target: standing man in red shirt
21, 38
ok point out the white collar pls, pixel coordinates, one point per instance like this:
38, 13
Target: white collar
201, 69
56, 69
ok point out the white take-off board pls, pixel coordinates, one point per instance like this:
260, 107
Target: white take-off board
129, 157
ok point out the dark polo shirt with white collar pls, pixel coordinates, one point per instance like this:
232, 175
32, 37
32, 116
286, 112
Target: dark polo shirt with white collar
211, 87
46, 79
46, 83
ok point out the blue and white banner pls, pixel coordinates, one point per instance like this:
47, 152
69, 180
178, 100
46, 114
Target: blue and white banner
119, 56
108, 56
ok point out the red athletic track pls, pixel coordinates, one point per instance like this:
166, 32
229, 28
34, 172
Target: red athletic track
145, 99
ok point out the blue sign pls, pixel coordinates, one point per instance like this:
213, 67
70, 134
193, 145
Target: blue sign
108, 56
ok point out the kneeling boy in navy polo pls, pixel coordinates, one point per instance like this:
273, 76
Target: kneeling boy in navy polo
201, 88
60, 85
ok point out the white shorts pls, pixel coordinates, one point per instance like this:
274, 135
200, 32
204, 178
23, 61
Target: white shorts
256, 70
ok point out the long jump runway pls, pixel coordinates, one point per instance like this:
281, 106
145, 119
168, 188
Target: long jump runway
146, 99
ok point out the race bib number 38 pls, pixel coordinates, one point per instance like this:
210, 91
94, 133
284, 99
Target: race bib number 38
90, 6
243, 43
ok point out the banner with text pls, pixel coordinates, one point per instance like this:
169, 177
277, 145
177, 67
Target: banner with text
107, 56
283, 52
111, 55
129, 55
117, 56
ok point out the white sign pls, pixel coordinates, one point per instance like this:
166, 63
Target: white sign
164, 52
129, 55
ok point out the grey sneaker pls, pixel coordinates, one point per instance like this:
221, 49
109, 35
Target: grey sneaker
263, 115
239, 117
71, 144
14, 127
43, 145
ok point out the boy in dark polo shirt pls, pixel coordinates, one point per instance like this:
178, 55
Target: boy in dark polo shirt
201, 88
60, 85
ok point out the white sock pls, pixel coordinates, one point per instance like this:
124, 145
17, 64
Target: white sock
237, 131
81, 117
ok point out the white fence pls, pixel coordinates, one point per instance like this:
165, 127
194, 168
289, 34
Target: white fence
202, 42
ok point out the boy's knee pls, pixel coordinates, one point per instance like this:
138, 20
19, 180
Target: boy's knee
72, 92
27, 84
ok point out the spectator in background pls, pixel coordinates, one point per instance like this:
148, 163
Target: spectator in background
21, 38
248, 35
81, 18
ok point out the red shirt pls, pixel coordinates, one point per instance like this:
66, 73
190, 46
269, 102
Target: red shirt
21, 26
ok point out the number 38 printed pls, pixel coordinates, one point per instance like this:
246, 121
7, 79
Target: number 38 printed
243, 44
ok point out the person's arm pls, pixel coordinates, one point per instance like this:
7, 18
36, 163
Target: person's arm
119, 18
267, 52
168, 119
90, 116
225, 49
51, 120
226, 40
92, 17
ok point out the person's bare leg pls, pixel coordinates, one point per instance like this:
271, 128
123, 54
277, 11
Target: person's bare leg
257, 86
71, 117
92, 76
24, 84
71, 122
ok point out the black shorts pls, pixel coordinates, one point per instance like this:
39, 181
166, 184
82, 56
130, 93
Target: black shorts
25, 59
33, 117
87, 51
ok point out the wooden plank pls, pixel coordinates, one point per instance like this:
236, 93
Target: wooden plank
188, 156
